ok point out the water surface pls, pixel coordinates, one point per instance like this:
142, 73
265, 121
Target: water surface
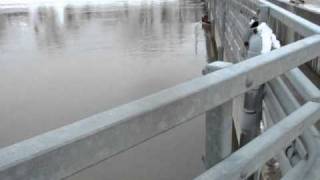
61, 61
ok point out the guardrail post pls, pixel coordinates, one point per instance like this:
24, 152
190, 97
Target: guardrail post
263, 13
219, 126
290, 31
252, 115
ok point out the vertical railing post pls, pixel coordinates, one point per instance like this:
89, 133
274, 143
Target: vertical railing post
219, 126
263, 13
252, 115
290, 33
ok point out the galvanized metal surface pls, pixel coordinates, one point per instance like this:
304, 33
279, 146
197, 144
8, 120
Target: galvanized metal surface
303, 85
273, 114
218, 134
248, 159
299, 24
218, 125
305, 88
306, 144
309, 93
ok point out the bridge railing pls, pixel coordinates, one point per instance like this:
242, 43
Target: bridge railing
281, 104
65, 151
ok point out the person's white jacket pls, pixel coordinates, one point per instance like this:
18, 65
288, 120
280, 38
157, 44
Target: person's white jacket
269, 39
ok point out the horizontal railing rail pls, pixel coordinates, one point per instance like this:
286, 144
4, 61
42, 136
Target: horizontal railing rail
305, 145
303, 85
251, 157
297, 23
65, 151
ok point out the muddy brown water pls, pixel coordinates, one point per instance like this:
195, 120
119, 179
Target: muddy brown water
64, 61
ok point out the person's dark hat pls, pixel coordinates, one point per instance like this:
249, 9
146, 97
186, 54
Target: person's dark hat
254, 23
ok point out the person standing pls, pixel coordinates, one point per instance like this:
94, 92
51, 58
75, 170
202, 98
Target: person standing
261, 39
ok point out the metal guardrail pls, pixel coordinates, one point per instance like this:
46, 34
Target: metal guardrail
297, 23
306, 146
65, 151
250, 158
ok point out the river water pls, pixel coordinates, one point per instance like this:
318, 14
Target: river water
61, 61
